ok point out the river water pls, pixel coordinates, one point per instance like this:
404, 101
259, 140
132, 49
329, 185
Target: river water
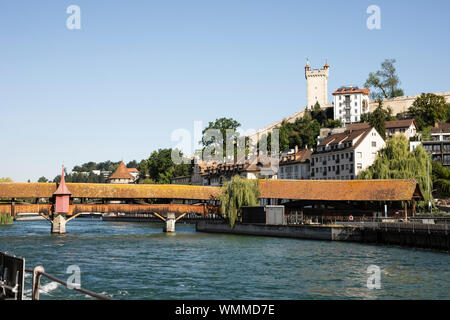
139, 261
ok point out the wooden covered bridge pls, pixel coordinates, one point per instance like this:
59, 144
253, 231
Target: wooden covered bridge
66, 201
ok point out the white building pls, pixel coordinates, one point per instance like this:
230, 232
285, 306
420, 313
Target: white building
343, 156
294, 165
350, 103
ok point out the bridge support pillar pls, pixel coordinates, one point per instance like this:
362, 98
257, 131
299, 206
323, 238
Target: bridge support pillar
170, 223
59, 224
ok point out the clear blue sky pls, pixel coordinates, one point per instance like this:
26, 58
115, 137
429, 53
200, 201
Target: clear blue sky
137, 70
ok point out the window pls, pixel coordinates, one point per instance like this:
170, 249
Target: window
359, 166
374, 144
446, 159
436, 147
359, 155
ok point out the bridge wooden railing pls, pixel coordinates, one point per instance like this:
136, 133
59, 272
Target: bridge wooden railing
203, 209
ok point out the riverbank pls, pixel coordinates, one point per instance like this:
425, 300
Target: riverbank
434, 237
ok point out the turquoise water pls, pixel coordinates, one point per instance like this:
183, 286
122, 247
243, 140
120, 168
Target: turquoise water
139, 261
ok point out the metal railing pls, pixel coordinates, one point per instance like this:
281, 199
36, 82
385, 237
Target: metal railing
383, 224
39, 271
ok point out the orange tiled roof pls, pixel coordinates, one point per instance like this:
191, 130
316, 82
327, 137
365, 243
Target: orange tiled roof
388, 124
348, 135
301, 156
351, 90
109, 191
400, 124
133, 170
121, 173
341, 190
441, 127
326, 190
358, 126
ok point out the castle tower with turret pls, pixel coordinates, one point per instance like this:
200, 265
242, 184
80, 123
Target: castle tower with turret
317, 85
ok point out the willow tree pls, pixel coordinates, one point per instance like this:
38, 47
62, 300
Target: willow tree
237, 193
395, 161
5, 218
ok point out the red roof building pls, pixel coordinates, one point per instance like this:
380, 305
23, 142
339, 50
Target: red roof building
62, 196
122, 175
406, 127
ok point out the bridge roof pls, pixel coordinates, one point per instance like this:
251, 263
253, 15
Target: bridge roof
341, 190
314, 190
110, 191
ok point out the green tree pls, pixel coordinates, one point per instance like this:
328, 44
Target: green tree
223, 125
132, 164
147, 181
441, 178
159, 162
42, 180
385, 81
5, 218
5, 180
330, 123
448, 115
428, 109
318, 114
162, 169
395, 161
143, 170
303, 132
237, 193
378, 120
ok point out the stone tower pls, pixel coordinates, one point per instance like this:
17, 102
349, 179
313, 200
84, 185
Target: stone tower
317, 85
